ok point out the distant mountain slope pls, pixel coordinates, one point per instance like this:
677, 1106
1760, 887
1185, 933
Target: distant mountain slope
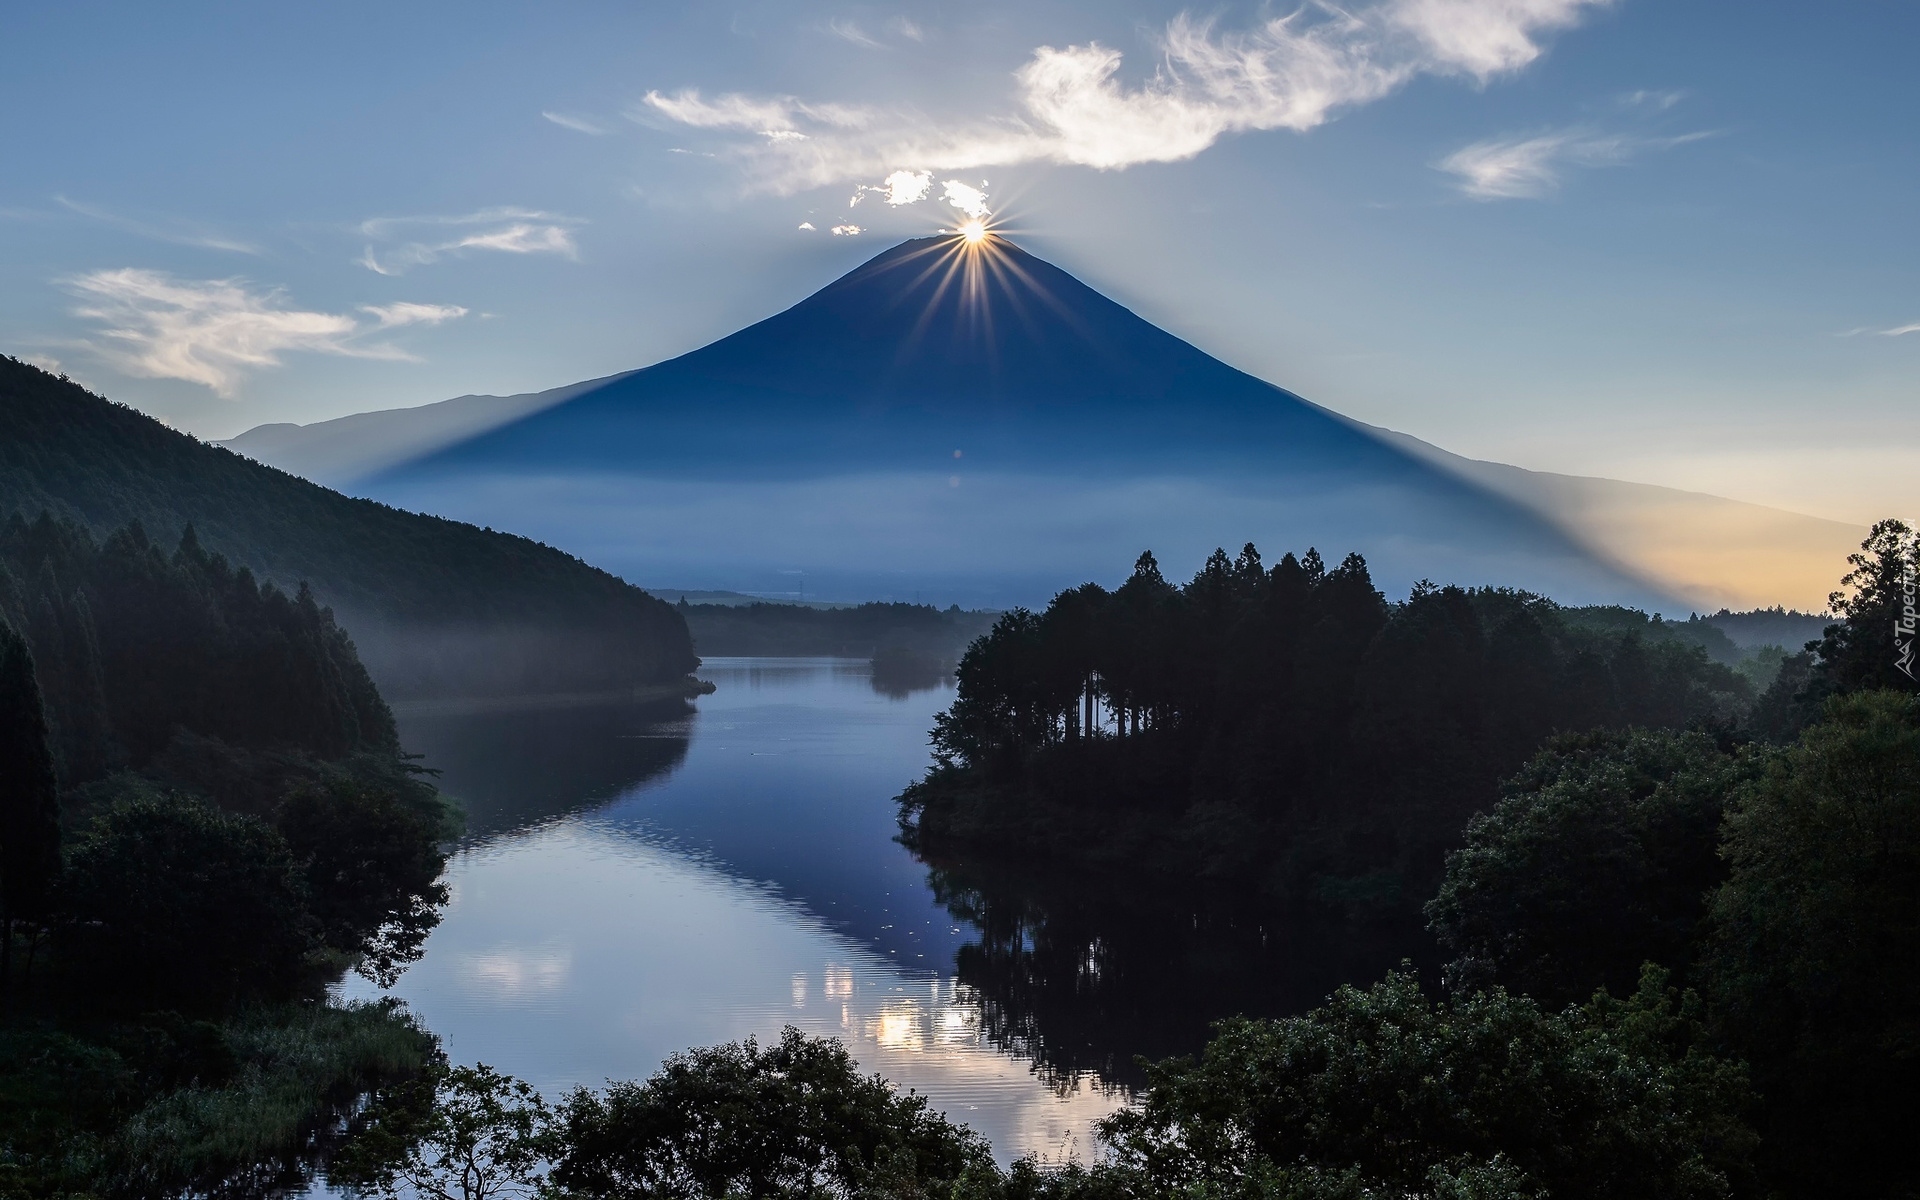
349, 448
1714, 552
980, 425
435, 606
974, 423
930, 347
1710, 551
1786, 629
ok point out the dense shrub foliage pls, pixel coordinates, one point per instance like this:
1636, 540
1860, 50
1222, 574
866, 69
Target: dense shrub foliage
1382, 1093
186, 904
795, 1118
1287, 727
1600, 856
1811, 943
236, 825
1396, 1093
158, 1105
1784, 883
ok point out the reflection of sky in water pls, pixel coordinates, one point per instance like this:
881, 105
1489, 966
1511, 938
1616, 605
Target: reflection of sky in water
756, 885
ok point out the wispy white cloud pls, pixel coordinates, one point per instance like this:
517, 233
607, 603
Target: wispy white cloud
1520, 168
847, 231
1896, 331
1291, 72
509, 230
178, 233
405, 312
852, 31
1659, 100
1527, 168
521, 238
848, 31
215, 332
577, 124
767, 116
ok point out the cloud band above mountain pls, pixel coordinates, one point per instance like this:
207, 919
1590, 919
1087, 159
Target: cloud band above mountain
1070, 106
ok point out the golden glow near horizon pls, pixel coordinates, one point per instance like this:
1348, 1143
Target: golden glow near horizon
974, 231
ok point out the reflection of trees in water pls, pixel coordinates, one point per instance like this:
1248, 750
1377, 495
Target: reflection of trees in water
899, 672
515, 767
1084, 974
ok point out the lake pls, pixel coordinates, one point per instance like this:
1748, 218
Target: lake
635, 882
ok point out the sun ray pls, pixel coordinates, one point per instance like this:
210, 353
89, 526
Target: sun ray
971, 267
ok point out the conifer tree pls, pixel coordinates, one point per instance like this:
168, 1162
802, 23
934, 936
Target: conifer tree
29, 796
1875, 646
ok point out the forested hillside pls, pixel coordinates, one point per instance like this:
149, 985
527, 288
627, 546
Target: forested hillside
205, 817
435, 606
134, 644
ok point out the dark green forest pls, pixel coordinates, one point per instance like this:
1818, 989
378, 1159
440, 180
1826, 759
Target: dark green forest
437, 607
1670, 886
1286, 729
205, 816
135, 645
1679, 966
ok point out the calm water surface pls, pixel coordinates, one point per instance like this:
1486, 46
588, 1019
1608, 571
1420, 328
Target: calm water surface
636, 883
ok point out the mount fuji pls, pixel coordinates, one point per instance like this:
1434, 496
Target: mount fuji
960, 422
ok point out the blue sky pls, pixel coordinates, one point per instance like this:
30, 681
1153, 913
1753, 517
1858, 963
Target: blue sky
1669, 242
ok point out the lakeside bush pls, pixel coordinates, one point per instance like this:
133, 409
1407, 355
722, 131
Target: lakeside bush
237, 826
1381, 1093
159, 1106
168, 901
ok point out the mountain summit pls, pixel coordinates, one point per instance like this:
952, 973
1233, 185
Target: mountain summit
935, 345
964, 422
